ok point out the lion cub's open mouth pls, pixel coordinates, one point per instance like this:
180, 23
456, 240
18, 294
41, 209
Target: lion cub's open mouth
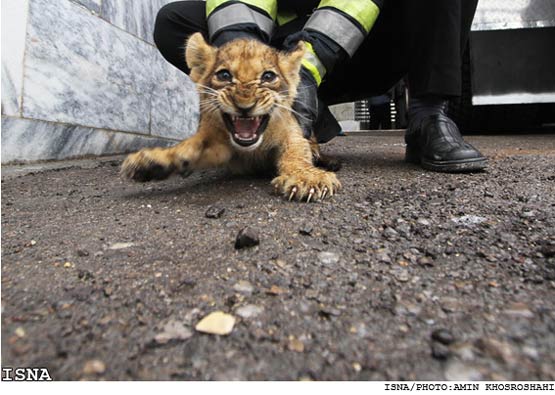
246, 131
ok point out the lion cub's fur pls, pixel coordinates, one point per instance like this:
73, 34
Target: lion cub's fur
282, 147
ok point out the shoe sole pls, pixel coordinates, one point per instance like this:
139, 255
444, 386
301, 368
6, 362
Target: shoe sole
462, 166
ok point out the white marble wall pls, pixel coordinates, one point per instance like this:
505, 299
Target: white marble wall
82, 77
14, 23
134, 16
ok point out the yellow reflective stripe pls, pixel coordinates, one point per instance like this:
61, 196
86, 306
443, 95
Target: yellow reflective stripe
313, 64
364, 11
313, 70
269, 6
285, 17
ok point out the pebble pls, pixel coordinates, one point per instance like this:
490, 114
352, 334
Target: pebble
120, 246
20, 332
173, 330
216, 323
467, 220
382, 255
244, 287
464, 351
451, 305
460, 371
214, 212
390, 233
519, 310
249, 311
443, 336
295, 345
83, 253
496, 349
306, 230
402, 275
328, 258
440, 351
94, 366
247, 237
423, 222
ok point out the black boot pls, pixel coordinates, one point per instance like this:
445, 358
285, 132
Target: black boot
436, 144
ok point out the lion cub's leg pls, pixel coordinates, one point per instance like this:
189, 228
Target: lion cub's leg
321, 160
298, 177
197, 152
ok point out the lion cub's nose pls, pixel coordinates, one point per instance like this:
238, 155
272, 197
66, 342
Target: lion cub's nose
245, 108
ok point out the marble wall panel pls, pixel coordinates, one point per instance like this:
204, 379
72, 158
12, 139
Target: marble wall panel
14, 25
82, 70
93, 5
26, 140
134, 16
175, 106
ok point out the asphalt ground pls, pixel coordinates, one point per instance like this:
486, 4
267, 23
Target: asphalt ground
404, 275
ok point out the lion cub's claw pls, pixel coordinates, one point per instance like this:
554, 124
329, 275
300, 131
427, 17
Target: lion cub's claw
310, 187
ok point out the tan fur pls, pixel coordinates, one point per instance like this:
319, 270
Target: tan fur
283, 146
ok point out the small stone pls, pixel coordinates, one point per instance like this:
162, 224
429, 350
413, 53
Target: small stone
214, 212
357, 367
468, 220
20, 332
120, 246
68, 265
390, 233
328, 258
425, 261
247, 237
173, 330
528, 214
451, 305
464, 351
244, 287
306, 230
83, 253
249, 311
94, 366
217, 323
402, 276
460, 371
33, 242
382, 255
531, 352
295, 345
519, 310
443, 336
423, 222
496, 349
275, 290
440, 351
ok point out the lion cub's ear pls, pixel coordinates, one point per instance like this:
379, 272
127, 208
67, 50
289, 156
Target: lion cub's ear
199, 56
290, 62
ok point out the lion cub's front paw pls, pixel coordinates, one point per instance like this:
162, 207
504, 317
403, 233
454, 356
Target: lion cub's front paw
313, 185
147, 165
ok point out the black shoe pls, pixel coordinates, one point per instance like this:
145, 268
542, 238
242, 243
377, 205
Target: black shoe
436, 144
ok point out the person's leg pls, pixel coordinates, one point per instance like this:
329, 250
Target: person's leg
378, 64
175, 22
436, 32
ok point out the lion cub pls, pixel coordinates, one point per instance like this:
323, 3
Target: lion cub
246, 91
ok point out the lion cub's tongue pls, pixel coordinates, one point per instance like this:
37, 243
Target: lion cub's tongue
246, 128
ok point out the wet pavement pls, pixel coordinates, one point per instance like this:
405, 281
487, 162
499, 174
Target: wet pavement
405, 274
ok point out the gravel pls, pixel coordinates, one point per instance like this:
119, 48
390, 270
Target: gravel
354, 288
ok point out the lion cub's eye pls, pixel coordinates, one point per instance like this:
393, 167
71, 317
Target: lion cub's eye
224, 75
268, 76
